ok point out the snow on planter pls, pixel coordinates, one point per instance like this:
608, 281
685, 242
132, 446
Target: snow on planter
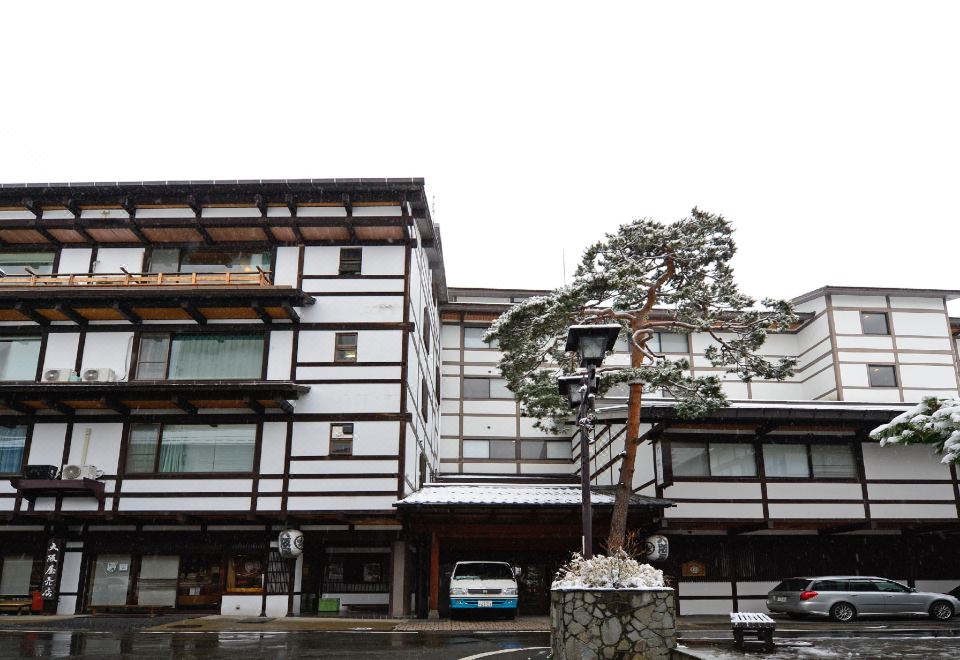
611, 607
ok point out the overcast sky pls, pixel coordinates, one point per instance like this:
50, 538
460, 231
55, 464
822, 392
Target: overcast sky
828, 132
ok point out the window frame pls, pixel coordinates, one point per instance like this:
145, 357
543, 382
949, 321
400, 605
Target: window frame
148, 257
426, 330
155, 472
756, 476
489, 396
172, 336
886, 324
424, 399
808, 452
893, 371
40, 338
351, 437
489, 443
338, 347
487, 346
27, 435
54, 263
347, 262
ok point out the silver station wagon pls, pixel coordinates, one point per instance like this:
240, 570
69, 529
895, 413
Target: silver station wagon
845, 597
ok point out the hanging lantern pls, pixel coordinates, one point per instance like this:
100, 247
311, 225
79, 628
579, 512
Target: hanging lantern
290, 543
657, 548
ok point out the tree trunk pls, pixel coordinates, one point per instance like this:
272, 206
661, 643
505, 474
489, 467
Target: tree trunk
621, 503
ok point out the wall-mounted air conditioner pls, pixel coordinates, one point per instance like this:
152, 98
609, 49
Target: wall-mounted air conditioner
73, 472
58, 375
40, 472
99, 375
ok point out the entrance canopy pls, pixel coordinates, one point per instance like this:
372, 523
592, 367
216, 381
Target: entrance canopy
438, 496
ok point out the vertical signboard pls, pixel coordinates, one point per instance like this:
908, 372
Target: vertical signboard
51, 569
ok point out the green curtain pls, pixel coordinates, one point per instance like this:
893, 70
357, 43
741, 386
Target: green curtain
209, 357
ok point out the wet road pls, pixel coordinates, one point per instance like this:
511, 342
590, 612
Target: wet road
267, 645
925, 648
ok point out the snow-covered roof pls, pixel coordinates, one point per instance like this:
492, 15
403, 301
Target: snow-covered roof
661, 409
515, 495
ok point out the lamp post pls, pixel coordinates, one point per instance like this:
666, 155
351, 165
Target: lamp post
591, 342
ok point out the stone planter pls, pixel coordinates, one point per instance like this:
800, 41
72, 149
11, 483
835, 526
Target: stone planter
636, 624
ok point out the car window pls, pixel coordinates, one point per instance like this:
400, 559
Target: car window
793, 584
864, 585
891, 587
829, 585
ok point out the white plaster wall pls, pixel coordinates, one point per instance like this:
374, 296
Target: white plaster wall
866, 302
392, 210
527, 430
347, 309
922, 376
243, 605
813, 334
692, 607
450, 336
910, 491
773, 391
483, 427
109, 260
449, 425
279, 356
907, 463
61, 350
867, 341
810, 510
854, 375
481, 370
926, 324
353, 466
370, 438
923, 343
927, 358
847, 323
286, 265
382, 260
185, 504
103, 449
358, 484
372, 346
74, 260
230, 212
108, 349
273, 447
917, 303
713, 490
686, 589
864, 357
342, 503
321, 260
349, 398
353, 285
46, 448
352, 372
709, 510
187, 485
913, 511
491, 407
801, 490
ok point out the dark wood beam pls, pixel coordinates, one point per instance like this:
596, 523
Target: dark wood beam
261, 204
136, 231
70, 313
283, 404
40, 229
194, 313
752, 527
126, 312
291, 202
74, 208
184, 405
31, 313
291, 312
129, 206
863, 525
16, 406
765, 428
80, 229
59, 406
194, 204
255, 406
261, 312
115, 405
34, 207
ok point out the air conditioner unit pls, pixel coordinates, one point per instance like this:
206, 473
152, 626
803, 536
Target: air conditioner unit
58, 375
73, 472
103, 375
40, 472
339, 432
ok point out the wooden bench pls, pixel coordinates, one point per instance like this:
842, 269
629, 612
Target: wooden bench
19, 604
754, 623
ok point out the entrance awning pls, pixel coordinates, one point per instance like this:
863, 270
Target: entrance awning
516, 495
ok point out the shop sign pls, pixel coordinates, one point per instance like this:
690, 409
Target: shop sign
693, 569
290, 543
51, 569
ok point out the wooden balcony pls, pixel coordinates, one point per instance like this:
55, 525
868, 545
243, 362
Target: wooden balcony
31, 489
137, 297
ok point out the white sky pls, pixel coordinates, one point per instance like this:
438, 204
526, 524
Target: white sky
828, 132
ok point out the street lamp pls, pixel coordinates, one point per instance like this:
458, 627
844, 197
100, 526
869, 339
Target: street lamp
591, 342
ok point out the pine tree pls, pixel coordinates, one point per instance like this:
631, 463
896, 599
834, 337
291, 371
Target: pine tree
933, 421
649, 277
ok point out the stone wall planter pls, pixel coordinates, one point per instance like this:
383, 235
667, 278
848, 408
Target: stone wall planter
635, 624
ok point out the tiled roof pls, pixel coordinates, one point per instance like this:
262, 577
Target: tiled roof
515, 495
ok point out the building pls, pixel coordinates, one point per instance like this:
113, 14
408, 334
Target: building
221, 361
234, 358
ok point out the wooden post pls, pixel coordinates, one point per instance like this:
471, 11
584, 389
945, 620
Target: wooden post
434, 577
290, 585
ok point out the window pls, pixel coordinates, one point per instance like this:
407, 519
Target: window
713, 459
200, 357
834, 461
16, 263
19, 357
345, 348
660, 342
473, 338
351, 261
175, 260
355, 573
426, 331
15, 574
882, 375
424, 400
175, 448
496, 449
12, 441
891, 587
341, 439
486, 388
245, 574
543, 450
874, 323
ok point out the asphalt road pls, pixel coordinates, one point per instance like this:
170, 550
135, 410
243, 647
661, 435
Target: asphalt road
271, 646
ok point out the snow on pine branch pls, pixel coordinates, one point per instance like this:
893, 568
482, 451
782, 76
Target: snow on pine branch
616, 571
933, 421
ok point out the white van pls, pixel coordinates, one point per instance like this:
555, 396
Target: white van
481, 585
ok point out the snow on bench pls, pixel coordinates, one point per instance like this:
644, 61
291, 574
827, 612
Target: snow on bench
756, 623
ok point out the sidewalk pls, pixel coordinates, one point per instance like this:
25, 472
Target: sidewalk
219, 623
520, 624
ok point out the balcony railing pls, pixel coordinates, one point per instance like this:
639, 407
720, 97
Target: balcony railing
259, 277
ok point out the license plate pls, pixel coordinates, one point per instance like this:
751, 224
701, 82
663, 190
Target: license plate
781, 599
484, 603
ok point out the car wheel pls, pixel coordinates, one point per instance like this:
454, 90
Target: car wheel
941, 611
843, 612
